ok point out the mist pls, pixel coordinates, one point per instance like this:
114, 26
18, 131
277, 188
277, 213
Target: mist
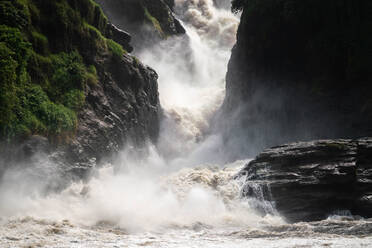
192, 71
181, 181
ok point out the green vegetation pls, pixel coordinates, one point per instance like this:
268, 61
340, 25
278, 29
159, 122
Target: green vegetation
154, 22
46, 56
39, 42
116, 49
92, 75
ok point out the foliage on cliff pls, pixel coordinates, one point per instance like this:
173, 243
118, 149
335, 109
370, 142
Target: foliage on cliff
146, 20
47, 51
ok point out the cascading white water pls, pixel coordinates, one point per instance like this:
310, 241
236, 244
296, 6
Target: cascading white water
177, 196
192, 73
172, 187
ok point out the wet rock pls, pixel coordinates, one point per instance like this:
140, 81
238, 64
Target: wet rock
120, 36
148, 21
310, 180
123, 107
287, 80
33, 145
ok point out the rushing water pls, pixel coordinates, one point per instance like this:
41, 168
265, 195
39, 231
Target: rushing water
180, 194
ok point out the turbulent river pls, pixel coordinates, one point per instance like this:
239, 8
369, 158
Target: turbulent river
181, 193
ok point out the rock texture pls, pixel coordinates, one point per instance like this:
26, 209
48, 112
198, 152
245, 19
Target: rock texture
120, 36
123, 107
299, 71
311, 180
146, 20
119, 95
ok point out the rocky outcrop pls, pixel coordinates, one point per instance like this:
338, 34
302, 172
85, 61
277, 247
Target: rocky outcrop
298, 72
81, 88
120, 36
146, 20
309, 181
123, 107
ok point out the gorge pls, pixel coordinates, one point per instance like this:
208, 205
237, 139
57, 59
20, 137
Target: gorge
130, 123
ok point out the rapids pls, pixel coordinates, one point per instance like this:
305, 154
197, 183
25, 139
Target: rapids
181, 194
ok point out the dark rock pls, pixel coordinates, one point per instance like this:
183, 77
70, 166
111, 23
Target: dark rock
310, 180
33, 145
123, 107
295, 74
148, 21
364, 175
170, 4
121, 95
120, 36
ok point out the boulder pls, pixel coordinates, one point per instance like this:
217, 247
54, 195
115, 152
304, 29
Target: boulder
309, 181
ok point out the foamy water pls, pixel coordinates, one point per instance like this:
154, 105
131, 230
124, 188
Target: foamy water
192, 72
178, 195
126, 206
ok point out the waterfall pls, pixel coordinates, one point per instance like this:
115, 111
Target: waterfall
192, 71
179, 182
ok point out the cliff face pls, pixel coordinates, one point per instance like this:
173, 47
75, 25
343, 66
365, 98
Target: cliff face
299, 71
64, 78
148, 21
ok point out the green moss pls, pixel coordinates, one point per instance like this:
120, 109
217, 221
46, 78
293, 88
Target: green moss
8, 77
36, 114
154, 22
13, 39
69, 72
136, 61
43, 76
92, 78
39, 42
40, 68
116, 49
94, 32
74, 99
14, 13
95, 37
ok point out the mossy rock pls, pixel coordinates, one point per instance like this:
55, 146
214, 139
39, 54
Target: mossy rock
46, 50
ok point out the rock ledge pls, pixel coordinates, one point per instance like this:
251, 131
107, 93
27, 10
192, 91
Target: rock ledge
311, 180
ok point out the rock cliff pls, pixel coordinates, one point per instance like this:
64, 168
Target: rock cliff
299, 71
309, 181
70, 78
149, 21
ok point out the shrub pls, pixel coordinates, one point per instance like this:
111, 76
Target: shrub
14, 14
42, 74
69, 72
21, 49
74, 99
8, 97
43, 114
